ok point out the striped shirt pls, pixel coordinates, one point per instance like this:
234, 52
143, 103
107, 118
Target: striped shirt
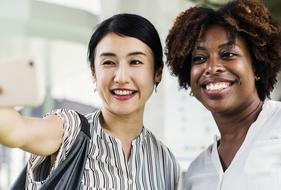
151, 165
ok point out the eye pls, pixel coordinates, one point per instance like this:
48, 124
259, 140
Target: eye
135, 62
108, 62
228, 55
197, 59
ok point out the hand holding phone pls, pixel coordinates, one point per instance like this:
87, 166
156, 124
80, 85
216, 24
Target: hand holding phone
20, 83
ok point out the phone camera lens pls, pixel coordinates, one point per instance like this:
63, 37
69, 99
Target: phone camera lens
1, 91
31, 64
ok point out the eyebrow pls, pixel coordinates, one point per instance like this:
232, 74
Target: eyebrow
225, 45
109, 54
137, 53
228, 44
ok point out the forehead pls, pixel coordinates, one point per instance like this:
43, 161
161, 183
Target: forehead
218, 35
121, 45
214, 33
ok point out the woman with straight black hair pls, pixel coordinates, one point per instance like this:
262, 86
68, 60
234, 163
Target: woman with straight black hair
125, 55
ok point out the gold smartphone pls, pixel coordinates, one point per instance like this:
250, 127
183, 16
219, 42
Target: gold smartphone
20, 83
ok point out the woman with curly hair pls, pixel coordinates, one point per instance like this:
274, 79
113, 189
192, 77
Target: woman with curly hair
230, 58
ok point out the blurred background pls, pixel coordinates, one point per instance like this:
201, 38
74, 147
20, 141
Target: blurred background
55, 34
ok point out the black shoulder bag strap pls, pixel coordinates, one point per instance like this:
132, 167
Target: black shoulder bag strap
69, 173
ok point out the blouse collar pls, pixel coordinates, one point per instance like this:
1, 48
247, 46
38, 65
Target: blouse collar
110, 139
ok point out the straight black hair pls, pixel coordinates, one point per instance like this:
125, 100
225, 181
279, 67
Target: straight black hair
128, 25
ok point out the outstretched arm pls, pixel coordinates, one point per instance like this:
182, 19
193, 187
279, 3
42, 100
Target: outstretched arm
41, 136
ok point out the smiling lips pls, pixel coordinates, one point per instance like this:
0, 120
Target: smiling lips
123, 94
217, 86
216, 89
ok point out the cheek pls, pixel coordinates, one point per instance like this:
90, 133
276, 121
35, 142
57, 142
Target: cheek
244, 71
102, 79
147, 81
195, 74
145, 75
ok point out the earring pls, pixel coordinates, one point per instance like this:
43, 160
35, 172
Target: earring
156, 85
257, 78
95, 87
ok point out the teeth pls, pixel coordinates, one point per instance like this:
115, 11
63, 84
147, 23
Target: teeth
123, 92
217, 86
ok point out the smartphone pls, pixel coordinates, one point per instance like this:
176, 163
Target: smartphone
20, 83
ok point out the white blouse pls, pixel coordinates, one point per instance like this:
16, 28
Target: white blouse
256, 165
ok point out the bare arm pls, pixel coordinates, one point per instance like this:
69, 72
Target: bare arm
35, 135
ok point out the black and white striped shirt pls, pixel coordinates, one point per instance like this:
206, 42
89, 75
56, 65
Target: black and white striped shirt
151, 165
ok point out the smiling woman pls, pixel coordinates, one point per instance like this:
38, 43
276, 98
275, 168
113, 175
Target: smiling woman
125, 55
230, 58
124, 74
222, 72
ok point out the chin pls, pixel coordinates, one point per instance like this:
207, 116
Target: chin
123, 111
214, 106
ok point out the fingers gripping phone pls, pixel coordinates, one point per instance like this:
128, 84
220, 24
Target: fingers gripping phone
20, 83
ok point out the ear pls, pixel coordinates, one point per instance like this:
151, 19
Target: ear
93, 75
158, 75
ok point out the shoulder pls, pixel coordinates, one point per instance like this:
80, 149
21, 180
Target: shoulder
159, 146
201, 172
93, 116
201, 162
66, 115
163, 156
71, 121
272, 106
72, 116
271, 113
269, 120
149, 136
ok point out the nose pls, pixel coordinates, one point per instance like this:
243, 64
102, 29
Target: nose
122, 74
214, 66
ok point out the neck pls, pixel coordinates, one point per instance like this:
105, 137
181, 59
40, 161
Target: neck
236, 125
233, 129
124, 127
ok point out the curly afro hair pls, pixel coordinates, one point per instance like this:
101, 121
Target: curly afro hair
249, 19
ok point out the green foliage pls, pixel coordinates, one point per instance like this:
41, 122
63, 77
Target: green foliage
210, 3
273, 5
